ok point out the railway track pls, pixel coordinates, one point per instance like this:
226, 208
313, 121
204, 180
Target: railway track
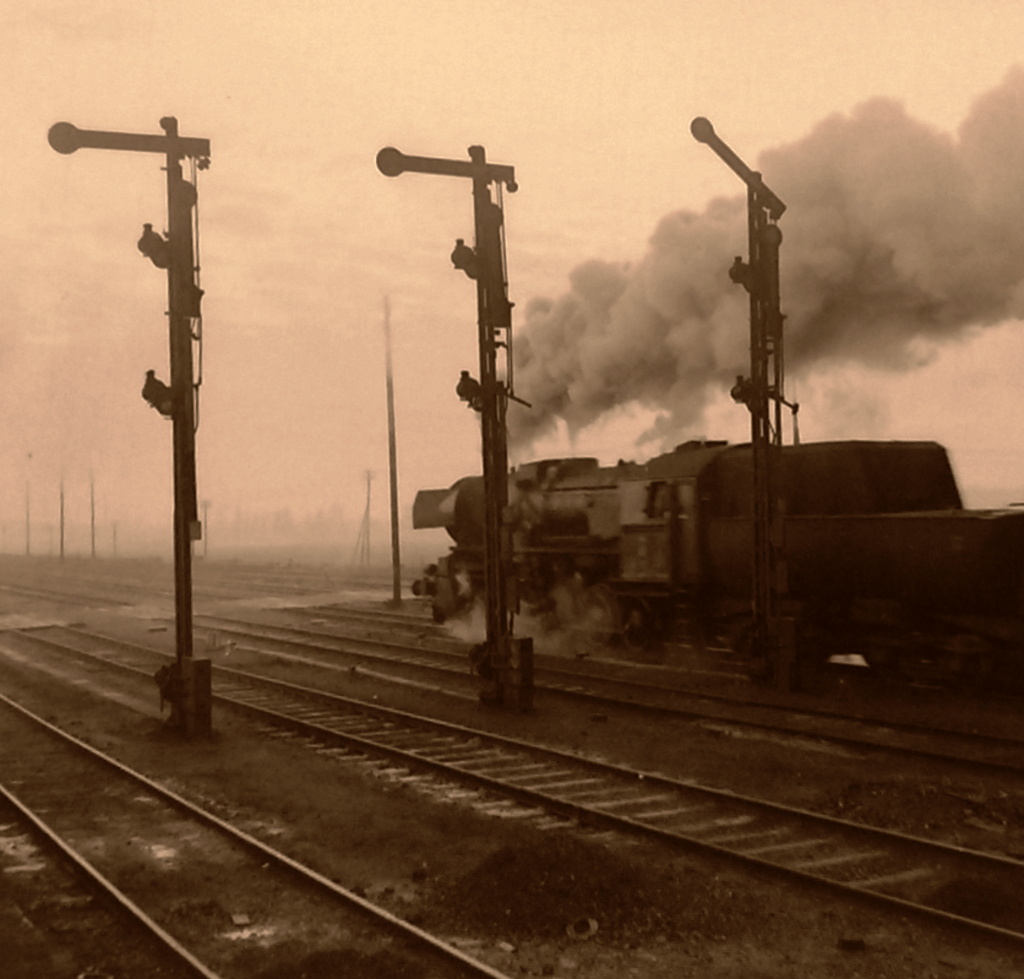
617, 685
109, 591
665, 691
57, 920
80, 599
210, 894
981, 892
602, 684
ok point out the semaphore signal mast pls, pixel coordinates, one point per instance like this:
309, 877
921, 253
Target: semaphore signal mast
763, 395
505, 663
186, 684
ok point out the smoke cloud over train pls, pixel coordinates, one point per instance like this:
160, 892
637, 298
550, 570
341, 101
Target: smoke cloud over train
897, 237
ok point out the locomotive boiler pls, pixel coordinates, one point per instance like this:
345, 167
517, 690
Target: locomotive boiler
879, 558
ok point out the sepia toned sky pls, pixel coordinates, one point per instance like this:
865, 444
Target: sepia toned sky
887, 127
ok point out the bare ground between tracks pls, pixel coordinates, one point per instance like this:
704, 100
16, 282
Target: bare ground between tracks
510, 894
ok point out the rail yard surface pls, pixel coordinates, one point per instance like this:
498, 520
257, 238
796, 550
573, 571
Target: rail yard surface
524, 890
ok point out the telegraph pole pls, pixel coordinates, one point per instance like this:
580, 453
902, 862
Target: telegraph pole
62, 516
187, 684
361, 555
396, 553
505, 663
763, 395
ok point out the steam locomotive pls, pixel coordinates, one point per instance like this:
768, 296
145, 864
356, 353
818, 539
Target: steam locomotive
879, 558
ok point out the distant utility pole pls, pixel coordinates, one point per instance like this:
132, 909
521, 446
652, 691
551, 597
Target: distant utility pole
361, 555
187, 684
92, 515
62, 517
396, 555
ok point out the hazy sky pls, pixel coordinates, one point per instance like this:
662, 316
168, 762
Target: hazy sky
302, 238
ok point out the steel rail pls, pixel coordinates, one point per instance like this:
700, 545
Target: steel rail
240, 836
315, 708
100, 880
418, 658
573, 688
649, 782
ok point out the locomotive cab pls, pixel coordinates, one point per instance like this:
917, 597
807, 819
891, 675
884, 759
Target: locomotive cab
659, 553
658, 540
647, 510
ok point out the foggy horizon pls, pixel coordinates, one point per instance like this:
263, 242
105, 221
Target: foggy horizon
893, 134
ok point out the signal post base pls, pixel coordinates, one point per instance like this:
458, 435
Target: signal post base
511, 682
776, 663
187, 686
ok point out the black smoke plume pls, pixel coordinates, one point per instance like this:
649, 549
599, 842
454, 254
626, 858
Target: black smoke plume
897, 237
